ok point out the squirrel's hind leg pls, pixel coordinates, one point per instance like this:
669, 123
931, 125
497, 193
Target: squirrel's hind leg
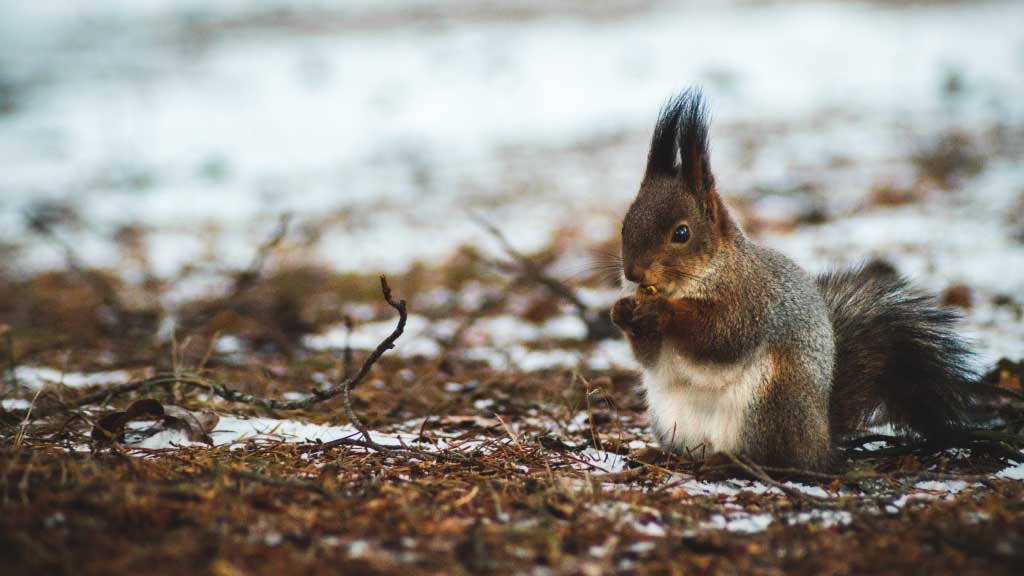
787, 427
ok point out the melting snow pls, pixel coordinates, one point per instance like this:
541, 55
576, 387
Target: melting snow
36, 377
1015, 472
16, 404
740, 522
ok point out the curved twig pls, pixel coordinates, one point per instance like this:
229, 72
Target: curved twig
221, 390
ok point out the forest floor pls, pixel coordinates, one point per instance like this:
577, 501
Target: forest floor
501, 438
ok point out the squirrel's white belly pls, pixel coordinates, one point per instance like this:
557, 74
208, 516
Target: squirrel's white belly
696, 404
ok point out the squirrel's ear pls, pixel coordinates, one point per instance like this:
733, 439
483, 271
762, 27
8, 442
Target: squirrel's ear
680, 144
694, 157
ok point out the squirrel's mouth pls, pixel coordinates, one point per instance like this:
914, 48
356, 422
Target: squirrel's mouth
647, 290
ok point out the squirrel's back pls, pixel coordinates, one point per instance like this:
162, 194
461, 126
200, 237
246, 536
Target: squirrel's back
799, 315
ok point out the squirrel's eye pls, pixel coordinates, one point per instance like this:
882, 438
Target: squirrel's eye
682, 234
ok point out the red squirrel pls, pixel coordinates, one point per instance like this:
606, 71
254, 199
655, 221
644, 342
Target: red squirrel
743, 352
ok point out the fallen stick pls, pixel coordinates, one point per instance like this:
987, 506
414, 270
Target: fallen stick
598, 322
221, 390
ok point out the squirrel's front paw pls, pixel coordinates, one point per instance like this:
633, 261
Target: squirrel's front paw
640, 317
623, 313
649, 315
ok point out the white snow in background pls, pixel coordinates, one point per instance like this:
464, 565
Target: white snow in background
515, 356
379, 116
1015, 472
946, 488
232, 430
827, 518
600, 461
35, 377
500, 341
508, 329
497, 340
742, 523
235, 431
732, 488
952, 238
163, 440
612, 354
16, 404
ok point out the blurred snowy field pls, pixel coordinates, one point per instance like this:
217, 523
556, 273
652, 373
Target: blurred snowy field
382, 125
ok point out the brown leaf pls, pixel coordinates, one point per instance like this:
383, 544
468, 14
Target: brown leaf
144, 407
110, 428
196, 425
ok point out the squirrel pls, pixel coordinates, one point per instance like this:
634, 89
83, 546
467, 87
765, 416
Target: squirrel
744, 352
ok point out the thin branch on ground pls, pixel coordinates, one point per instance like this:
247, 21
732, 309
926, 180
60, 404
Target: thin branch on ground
247, 278
99, 284
346, 357
1002, 443
318, 395
532, 270
757, 472
346, 398
598, 323
291, 483
489, 305
11, 358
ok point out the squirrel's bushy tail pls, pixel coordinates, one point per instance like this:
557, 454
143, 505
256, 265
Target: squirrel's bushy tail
896, 350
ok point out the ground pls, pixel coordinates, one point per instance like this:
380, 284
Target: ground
198, 200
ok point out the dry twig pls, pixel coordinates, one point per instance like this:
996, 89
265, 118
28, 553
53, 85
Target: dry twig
318, 395
599, 325
757, 472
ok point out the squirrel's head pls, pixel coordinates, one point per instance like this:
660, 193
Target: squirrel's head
677, 224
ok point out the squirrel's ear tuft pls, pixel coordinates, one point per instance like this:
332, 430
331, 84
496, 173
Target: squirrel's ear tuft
679, 146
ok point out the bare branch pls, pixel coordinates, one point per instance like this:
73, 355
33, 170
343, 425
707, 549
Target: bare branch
246, 278
599, 325
318, 396
532, 270
757, 472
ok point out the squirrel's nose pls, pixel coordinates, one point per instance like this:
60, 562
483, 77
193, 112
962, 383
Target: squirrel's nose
635, 273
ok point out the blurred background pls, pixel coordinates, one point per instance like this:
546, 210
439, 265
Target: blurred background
160, 142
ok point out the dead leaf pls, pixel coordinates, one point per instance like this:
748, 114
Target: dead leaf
111, 427
196, 426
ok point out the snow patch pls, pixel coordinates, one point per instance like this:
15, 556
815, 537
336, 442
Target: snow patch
35, 377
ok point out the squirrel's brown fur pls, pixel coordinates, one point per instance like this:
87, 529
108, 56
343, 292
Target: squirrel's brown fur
743, 351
